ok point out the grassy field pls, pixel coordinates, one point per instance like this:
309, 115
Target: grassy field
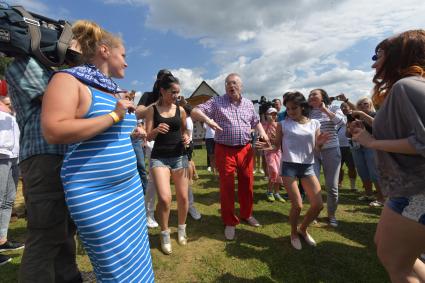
343, 254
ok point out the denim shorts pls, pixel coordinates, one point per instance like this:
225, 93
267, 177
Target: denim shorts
410, 207
173, 163
289, 169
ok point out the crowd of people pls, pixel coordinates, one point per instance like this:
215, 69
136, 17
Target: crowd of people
78, 138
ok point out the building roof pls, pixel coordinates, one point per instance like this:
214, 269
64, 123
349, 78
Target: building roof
201, 94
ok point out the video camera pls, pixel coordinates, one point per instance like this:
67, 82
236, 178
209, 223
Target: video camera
264, 104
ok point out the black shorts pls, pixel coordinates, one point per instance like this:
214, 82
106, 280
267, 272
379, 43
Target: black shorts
346, 157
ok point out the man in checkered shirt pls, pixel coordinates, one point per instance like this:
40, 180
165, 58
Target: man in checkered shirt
233, 117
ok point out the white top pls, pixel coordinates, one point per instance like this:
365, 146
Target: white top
189, 127
342, 138
298, 141
9, 136
209, 133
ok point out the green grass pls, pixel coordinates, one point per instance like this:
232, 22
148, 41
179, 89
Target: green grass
344, 254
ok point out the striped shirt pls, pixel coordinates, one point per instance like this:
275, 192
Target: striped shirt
236, 119
27, 80
330, 125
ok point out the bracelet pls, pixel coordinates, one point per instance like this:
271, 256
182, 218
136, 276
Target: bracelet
114, 116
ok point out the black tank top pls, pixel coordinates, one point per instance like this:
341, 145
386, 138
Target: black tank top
169, 144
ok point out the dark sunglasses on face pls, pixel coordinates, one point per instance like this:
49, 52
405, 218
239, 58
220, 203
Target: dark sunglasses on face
375, 57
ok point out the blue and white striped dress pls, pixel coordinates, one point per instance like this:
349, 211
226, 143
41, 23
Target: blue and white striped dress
104, 195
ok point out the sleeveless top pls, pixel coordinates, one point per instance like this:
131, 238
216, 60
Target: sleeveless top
104, 196
170, 144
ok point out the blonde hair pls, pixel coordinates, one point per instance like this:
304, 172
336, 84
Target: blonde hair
368, 100
90, 36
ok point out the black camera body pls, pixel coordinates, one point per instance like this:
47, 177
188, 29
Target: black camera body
264, 104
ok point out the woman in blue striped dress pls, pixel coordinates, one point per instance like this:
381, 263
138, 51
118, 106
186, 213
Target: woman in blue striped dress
102, 187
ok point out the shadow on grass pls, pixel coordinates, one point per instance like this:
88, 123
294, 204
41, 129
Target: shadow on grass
233, 279
330, 261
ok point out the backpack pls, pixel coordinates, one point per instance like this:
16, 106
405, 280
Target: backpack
25, 33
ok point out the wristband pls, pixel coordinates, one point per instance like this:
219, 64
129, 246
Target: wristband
114, 116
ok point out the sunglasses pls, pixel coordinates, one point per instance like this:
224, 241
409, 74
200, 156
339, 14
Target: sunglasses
375, 57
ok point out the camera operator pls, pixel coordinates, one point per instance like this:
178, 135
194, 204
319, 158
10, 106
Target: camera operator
264, 106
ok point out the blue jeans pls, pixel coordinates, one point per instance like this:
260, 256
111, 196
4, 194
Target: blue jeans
364, 159
8, 184
140, 156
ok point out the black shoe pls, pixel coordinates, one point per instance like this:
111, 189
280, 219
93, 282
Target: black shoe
4, 259
11, 246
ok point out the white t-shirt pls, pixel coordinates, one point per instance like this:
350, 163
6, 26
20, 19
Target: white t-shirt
189, 127
9, 136
298, 141
209, 133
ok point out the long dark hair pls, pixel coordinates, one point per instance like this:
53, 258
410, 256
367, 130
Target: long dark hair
165, 83
155, 90
298, 99
404, 56
325, 96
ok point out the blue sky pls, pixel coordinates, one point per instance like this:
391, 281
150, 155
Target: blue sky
275, 45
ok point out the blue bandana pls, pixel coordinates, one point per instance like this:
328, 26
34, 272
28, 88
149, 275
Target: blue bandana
91, 76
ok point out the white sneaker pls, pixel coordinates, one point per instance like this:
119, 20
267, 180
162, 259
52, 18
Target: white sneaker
194, 213
307, 238
165, 242
181, 235
151, 222
296, 243
261, 171
209, 169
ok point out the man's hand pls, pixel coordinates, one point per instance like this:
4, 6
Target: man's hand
213, 125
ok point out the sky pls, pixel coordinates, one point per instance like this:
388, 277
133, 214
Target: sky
275, 45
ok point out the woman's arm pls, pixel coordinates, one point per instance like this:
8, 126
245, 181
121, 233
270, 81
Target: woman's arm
65, 102
279, 136
321, 139
183, 128
152, 132
396, 146
363, 116
141, 111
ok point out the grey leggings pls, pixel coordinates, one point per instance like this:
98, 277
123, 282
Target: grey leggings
330, 159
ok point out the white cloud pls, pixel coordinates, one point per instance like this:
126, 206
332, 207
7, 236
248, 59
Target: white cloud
32, 5
279, 45
189, 79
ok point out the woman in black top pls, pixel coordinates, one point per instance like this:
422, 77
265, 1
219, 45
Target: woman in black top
166, 124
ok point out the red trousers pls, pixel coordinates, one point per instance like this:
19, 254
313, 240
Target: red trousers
228, 160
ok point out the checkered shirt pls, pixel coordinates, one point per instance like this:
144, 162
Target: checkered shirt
237, 120
27, 80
